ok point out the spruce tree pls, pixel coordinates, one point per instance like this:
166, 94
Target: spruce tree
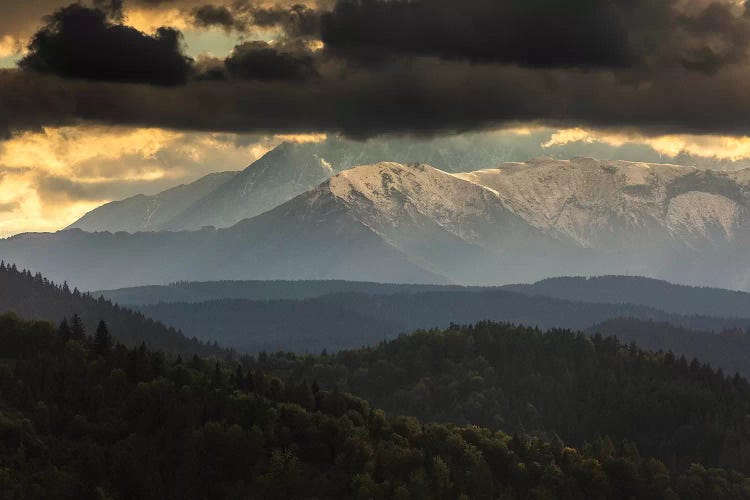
102, 338
63, 331
77, 330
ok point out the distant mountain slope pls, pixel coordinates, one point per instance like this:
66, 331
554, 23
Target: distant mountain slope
679, 299
149, 213
285, 172
202, 291
289, 242
349, 320
659, 294
277, 177
34, 297
728, 350
606, 204
413, 223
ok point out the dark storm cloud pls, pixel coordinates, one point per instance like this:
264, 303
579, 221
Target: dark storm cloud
80, 42
429, 97
654, 65
214, 15
614, 34
545, 33
297, 21
263, 61
112, 8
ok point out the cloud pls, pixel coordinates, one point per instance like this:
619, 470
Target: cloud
656, 67
638, 34
586, 33
9, 206
50, 178
263, 61
214, 15
428, 96
80, 42
297, 21
718, 148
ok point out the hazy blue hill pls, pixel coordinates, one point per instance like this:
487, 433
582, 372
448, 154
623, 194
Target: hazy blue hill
353, 319
728, 350
200, 291
660, 294
277, 325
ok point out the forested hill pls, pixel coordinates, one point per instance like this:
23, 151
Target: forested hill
351, 320
520, 379
35, 297
636, 290
203, 291
660, 294
728, 350
117, 423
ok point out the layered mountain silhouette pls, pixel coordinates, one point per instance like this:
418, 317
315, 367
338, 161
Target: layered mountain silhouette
636, 290
413, 223
150, 213
290, 169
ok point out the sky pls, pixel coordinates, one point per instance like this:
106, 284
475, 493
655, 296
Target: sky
103, 99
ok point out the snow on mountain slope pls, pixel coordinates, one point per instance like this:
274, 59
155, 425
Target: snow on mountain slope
277, 177
547, 217
608, 204
396, 222
149, 213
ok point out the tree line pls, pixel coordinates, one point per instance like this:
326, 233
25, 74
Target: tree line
82, 417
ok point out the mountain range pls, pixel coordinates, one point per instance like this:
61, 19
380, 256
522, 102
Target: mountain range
150, 213
289, 169
636, 290
350, 320
413, 223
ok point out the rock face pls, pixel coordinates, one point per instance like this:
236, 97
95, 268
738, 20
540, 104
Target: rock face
414, 223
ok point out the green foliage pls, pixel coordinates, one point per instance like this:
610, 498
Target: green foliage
33, 296
519, 379
131, 423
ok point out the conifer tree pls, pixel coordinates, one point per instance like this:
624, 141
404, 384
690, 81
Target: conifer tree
77, 330
63, 331
102, 338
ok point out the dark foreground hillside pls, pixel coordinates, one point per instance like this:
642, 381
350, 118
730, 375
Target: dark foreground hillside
35, 297
521, 379
86, 422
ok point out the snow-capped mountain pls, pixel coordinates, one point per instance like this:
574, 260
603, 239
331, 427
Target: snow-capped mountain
610, 204
415, 223
281, 174
289, 170
149, 213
